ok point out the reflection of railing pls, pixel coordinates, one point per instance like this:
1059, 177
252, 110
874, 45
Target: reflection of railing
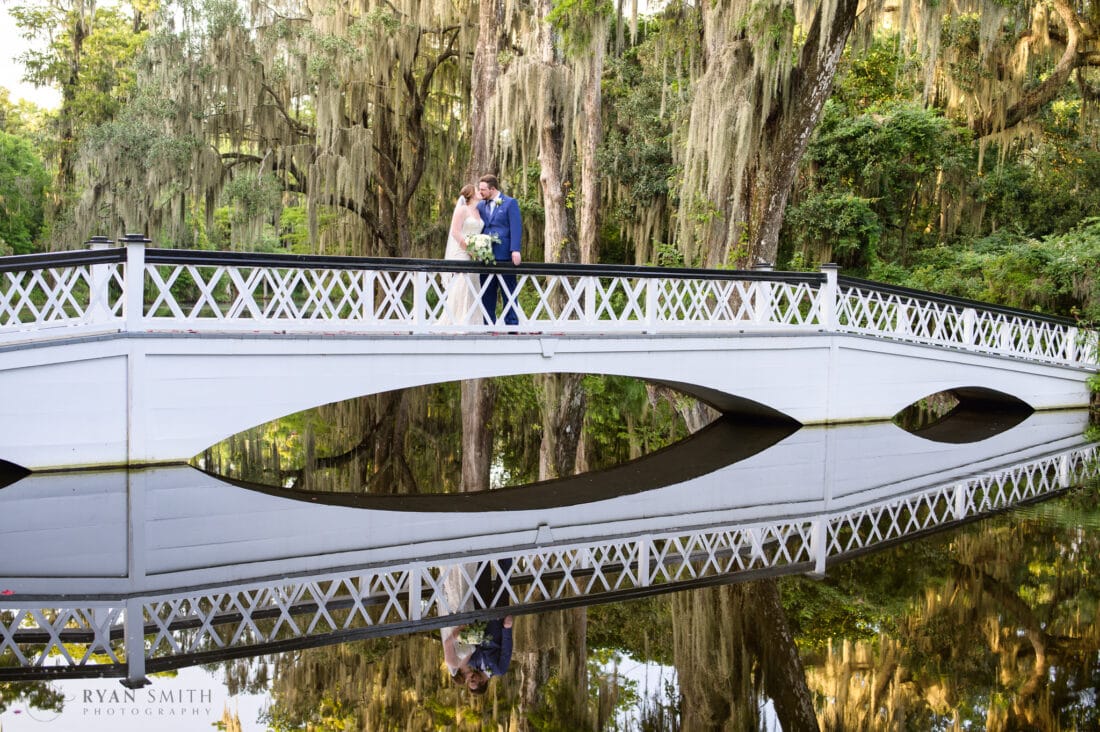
139, 289
204, 625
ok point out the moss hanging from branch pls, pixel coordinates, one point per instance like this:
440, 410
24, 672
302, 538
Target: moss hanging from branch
351, 106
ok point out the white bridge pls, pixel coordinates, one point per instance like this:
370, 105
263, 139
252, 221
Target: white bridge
134, 355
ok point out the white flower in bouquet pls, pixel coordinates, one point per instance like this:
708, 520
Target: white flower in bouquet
480, 247
472, 634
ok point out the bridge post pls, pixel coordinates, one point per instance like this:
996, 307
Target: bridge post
829, 294
1004, 340
416, 591
1065, 475
651, 293
99, 297
970, 319
644, 579
420, 300
819, 546
762, 311
1070, 347
961, 495
134, 633
135, 281
589, 301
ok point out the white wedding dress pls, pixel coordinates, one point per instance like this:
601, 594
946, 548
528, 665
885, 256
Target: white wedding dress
460, 307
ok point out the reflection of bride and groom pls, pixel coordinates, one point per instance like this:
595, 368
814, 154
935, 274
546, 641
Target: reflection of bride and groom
475, 652
483, 210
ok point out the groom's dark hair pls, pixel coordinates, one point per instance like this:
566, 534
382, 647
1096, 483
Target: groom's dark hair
491, 181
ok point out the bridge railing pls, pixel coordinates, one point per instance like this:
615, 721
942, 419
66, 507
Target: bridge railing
248, 292
135, 635
141, 289
39, 292
884, 310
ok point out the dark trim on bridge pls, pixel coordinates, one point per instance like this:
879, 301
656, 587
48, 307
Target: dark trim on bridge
61, 259
397, 264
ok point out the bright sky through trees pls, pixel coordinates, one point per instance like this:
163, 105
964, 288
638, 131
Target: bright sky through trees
12, 44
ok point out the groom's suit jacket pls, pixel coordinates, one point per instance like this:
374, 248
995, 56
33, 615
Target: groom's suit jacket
504, 222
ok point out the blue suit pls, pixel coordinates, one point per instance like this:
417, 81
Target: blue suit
494, 654
505, 223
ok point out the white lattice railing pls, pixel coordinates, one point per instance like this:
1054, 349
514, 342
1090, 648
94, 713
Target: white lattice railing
41, 292
139, 289
205, 624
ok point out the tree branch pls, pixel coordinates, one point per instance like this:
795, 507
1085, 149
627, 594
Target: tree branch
1040, 94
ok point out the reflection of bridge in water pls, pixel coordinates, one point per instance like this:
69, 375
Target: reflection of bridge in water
137, 356
123, 574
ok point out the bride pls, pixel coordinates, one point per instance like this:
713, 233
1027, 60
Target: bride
465, 222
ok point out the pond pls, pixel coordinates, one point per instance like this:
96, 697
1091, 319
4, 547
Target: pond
738, 575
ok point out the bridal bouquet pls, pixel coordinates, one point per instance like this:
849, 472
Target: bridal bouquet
480, 247
473, 633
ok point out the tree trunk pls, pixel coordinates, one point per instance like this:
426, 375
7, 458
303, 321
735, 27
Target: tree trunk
752, 117
483, 83
563, 403
478, 398
479, 395
66, 124
731, 646
784, 675
551, 141
789, 127
588, 224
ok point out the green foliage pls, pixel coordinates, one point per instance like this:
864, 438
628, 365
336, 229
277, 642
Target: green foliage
252, 195
838, 226
36, 695
24, 181
1055, 274
858, 600
576, 20
622, 423
1050, 186
641, 629
880, 162
876, 75
96, 81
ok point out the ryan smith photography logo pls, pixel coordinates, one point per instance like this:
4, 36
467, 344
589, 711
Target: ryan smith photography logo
146, 702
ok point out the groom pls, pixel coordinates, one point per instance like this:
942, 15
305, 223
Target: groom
502, 220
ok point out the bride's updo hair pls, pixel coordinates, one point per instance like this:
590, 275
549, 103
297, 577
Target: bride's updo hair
467, 193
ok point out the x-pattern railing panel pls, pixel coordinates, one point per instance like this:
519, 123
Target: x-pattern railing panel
61, 296
33, 636
866, 527
889, 314
347, 299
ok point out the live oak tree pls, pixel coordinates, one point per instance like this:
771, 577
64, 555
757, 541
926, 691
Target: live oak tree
85, 51
343, 109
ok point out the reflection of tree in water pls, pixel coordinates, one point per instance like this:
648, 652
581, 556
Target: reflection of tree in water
35, 694
411, 441
733, 648
380, 684
1003, 635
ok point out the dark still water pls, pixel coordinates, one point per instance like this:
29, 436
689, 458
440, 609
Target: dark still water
666, 583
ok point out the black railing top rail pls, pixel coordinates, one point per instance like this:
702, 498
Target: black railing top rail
246, 259
20, 262
844, 280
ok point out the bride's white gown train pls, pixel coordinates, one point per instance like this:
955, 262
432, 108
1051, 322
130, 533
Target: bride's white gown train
460, 306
